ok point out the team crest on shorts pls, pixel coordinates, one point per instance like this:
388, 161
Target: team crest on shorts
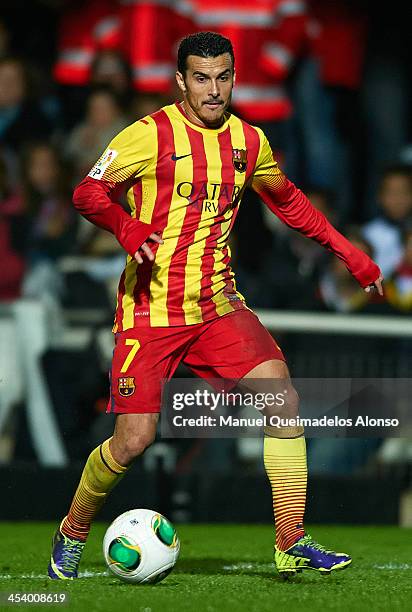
239, 159
126, 386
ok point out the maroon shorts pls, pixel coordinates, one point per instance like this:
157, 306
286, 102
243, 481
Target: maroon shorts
226, 347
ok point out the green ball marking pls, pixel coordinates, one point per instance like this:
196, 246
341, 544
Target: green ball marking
164, 531
120, 553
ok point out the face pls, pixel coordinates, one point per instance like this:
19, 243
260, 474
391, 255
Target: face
101, 110
396, 196
207, 88
110, 70
42, 170
11, 84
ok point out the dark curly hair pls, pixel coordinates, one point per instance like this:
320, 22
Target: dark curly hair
203, 44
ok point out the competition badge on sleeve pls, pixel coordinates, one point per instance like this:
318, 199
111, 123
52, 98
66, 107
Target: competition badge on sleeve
102, 164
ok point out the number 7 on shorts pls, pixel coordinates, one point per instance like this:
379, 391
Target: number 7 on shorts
135, 344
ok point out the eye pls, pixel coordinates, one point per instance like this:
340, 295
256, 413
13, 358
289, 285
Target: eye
224, 78
201, 79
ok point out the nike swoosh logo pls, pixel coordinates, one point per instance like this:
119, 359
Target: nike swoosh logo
175, 158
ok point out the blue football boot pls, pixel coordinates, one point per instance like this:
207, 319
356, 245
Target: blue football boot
65, 557
304, 554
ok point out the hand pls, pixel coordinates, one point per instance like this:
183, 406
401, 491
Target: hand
376, 285
146, 250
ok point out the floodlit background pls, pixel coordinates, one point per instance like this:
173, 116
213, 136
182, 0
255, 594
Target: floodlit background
329, 82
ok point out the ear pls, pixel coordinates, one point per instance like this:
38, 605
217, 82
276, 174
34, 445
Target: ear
181, 82
234, 77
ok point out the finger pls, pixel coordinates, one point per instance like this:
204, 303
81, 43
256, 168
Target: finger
367, 289
156, 238
378, 285
138, 257
147, 251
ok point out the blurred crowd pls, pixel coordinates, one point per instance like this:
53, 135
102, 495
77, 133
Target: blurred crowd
327, 81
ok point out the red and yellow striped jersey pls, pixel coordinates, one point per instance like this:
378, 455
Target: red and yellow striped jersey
186, 182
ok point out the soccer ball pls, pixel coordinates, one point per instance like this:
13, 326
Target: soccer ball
141, 546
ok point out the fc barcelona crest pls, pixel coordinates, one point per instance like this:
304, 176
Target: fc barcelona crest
239, 159
126, 386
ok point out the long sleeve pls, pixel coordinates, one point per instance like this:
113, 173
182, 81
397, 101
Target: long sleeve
92, 199
126, 159
288, 203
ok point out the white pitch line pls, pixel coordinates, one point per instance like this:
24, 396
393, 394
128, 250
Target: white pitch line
86, 574
393, 566
245, 566
269, 566
228, 568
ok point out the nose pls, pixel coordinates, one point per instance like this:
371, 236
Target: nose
214, 89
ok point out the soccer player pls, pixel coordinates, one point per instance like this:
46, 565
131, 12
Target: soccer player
185, 169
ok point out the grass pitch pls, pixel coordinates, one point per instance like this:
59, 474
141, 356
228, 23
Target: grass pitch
222, 568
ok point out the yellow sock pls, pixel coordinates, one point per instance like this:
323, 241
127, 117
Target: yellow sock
101, 473
285, 464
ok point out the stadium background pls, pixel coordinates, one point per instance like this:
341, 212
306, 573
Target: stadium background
72, 74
